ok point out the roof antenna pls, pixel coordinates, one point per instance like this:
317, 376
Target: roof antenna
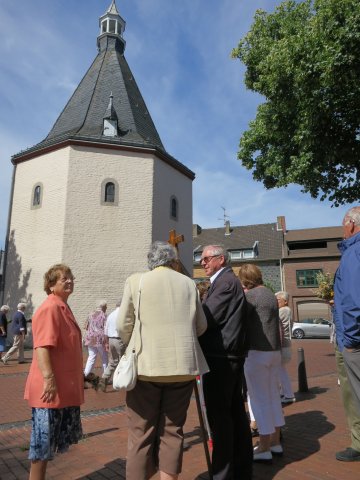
224, 216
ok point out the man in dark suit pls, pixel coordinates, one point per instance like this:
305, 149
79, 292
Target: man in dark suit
225, 347
18, 329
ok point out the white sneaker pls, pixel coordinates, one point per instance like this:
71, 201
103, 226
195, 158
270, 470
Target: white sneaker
277, 450
4, 361
263, 457
286, 400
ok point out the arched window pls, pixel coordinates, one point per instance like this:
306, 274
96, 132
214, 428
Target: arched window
36, 197
174, 208
109, 192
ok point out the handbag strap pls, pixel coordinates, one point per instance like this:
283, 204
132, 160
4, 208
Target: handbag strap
136, 331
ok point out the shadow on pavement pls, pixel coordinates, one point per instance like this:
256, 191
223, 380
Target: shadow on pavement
301, 440
310, 395
114, 469
99, 432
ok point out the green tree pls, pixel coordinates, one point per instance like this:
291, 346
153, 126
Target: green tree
305, 60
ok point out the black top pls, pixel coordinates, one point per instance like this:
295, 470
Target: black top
225, 308
3, 323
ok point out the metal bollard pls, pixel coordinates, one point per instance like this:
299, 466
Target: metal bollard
302, 380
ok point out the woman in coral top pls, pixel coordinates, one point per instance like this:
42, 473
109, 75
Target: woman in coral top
55, 385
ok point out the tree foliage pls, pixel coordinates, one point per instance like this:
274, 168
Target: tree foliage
305, 60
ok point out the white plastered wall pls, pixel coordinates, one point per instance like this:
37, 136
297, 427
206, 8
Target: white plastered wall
36, 234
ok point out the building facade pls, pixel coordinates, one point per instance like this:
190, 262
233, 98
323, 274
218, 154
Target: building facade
308, 252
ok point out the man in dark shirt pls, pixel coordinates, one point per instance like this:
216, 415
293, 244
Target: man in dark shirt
18, 329
225, 347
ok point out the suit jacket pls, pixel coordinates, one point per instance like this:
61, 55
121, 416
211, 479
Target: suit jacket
225, 308
18, 323
171, 319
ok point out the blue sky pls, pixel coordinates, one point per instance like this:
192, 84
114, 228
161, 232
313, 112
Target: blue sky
179, 53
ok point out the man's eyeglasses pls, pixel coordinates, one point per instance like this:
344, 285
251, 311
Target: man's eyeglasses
208, 259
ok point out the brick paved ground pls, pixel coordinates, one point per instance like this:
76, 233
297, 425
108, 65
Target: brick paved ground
315, 429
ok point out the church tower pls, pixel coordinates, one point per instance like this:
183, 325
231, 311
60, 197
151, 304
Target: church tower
97, 190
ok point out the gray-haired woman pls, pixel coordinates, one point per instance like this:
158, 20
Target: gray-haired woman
170, 358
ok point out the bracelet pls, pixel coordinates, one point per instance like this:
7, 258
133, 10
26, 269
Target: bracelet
47, 377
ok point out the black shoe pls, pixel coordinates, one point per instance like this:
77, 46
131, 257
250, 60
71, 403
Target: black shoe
254, 432
348, 455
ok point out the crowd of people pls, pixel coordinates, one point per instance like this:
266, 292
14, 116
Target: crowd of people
231, 330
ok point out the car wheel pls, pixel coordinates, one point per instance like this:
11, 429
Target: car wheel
298, 333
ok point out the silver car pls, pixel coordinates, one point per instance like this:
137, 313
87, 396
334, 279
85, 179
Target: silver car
311, 327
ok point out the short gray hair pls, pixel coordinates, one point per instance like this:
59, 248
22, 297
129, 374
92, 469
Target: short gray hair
219, 250
101, 304
21, 306
354, 214
282, 294
161, 254
5, 308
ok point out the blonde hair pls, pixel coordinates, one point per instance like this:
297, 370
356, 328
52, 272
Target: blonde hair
250, 275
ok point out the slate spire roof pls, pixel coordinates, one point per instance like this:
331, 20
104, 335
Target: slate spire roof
109, 74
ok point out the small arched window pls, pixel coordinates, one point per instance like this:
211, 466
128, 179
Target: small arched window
110, 192
174, 208
36, 197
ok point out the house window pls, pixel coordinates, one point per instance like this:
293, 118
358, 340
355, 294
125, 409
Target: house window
307, 278
109, 192
173, 208
242, 254
36, 197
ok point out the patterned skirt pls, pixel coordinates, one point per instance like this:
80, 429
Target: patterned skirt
53, 431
